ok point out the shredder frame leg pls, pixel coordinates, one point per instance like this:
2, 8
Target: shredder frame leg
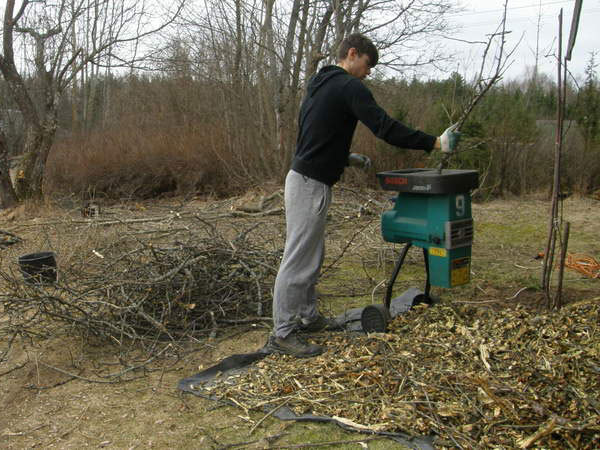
401, 258
427, 283
388, 293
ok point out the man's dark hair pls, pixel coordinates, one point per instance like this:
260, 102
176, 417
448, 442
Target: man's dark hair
362, 44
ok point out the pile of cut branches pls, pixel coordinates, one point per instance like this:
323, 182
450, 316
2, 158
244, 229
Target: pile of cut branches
474, 377
140, 288
129, 277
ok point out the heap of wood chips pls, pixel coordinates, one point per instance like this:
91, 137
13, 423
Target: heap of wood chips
474, 377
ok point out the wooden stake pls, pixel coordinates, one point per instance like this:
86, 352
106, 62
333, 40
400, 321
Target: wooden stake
551, 243
563, 255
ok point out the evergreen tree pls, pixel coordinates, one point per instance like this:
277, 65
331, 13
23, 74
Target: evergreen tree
588, 119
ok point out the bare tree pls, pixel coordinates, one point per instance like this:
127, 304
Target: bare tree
285, 41
67, 37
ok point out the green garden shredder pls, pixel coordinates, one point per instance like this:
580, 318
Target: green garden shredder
432, 210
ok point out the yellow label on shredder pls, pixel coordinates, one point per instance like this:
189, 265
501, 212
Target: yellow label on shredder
459, 276
437, 251
460, 272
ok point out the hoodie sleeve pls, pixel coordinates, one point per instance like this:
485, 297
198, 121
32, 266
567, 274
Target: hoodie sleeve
365, 108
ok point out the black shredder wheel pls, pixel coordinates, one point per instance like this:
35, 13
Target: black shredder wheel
374, 319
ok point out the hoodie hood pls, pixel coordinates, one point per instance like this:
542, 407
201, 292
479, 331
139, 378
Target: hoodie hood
322, 77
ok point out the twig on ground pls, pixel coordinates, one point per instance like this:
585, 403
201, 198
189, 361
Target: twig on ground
268, 415
89, 380
269, 439
65, 433
13, 369
23, 433
328, 443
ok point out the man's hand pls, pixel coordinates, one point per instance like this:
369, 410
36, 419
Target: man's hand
449, 139
358, 160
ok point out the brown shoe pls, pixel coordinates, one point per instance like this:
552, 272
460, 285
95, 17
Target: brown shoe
322, 323
294, 345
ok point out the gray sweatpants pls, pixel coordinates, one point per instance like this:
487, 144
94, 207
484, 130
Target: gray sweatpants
294, 297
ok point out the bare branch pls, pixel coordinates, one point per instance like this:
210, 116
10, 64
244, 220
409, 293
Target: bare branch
483, 84
21, 11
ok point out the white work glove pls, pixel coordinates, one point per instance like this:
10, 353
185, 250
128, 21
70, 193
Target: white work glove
449, 139
358, 160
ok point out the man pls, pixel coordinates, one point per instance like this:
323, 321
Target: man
335, 100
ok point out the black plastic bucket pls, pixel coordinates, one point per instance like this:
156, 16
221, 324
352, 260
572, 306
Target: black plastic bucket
38, 268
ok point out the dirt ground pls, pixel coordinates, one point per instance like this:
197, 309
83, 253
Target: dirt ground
50, 396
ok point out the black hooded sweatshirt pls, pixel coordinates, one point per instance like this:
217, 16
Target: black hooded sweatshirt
334, 102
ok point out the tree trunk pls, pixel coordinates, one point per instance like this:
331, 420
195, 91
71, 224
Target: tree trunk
284, 96
33, 164
8, 196
267, 81
316, 55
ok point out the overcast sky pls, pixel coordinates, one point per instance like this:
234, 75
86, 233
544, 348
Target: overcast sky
482, 16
